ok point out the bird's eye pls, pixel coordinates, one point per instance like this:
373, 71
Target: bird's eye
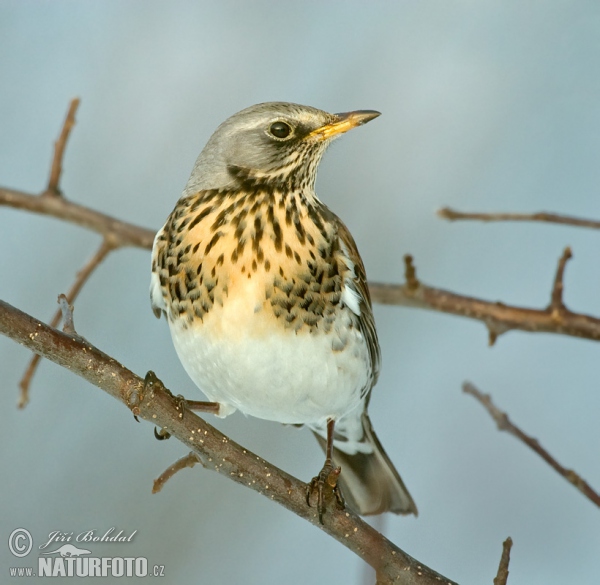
280, 130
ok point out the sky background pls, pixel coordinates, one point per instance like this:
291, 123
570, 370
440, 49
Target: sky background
487, 106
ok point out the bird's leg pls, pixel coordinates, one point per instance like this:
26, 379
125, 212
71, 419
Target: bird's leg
202, 406
329, 476
151, 382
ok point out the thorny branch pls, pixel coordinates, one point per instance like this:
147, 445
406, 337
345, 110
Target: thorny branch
498, 317
453, 215
504, 424
154, 403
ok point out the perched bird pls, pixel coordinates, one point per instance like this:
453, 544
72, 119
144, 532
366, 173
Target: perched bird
266, 295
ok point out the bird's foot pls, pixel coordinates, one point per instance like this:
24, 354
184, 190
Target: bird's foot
181, 404
325, 485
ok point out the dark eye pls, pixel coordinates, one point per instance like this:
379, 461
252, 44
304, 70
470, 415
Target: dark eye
280, 130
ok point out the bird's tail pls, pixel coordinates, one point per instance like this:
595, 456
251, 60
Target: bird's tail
369, 481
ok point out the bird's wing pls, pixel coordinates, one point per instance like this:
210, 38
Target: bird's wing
157, 299
356, 295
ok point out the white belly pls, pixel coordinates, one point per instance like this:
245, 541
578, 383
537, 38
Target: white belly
273, 373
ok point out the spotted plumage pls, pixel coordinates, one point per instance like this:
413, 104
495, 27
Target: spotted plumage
266, 295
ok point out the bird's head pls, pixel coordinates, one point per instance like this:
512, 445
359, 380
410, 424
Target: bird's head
274, 143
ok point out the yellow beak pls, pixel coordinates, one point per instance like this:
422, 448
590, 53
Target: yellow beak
344, 122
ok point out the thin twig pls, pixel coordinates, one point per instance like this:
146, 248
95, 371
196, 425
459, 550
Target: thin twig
556, 299
214, 450
502, 575
189, 460
53, 188
82, 277
504, 424
453, 215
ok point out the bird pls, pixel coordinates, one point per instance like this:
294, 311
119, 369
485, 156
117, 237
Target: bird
266, 296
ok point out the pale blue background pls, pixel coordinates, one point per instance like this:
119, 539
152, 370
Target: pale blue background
486, 106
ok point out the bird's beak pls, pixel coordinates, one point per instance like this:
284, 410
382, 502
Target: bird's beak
344, 122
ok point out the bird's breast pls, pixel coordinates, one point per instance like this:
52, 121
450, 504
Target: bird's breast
237, 257
253, 289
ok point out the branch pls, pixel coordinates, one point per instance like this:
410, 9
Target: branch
53, 188
215, 451
189, 460
453, 215
81, 278
504, 424
502, 575
498, 317
121, 233
556, 298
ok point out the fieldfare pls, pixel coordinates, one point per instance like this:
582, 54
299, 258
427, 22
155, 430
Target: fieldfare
266, 295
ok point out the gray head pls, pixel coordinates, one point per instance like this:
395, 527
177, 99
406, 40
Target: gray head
271, 143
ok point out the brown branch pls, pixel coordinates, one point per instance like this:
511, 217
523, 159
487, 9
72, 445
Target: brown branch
121, 233
82, 277
189, 460
504, 424
498, 317
214, 450
453, 215
502, 575
556, 299
53, 188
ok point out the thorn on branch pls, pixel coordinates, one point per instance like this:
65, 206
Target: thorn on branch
505, 424
410, 273
556, 299
53, 188
189, 460
67, 315
502, 575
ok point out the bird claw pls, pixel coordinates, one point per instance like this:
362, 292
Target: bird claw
325, 484
161, 435
181, 406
